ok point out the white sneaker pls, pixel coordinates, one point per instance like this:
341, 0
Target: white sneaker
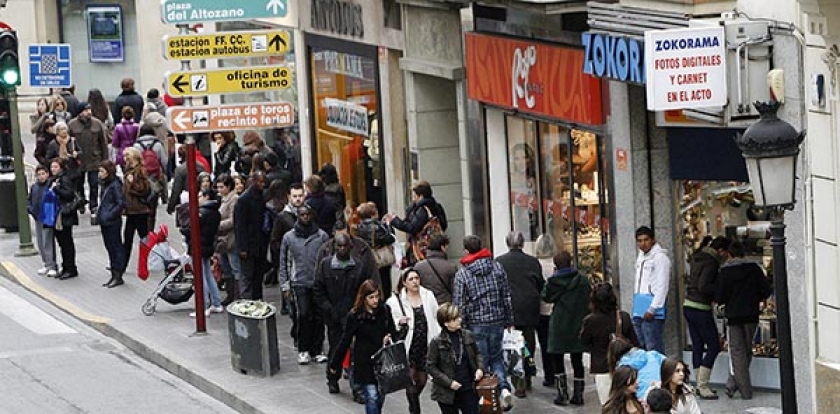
321, 359
52, 273
42, 271
215, 309
303, 358
507, 399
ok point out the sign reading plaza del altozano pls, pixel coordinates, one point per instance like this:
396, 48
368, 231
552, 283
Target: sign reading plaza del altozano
238, 80
196, 11
686, 68
221, 45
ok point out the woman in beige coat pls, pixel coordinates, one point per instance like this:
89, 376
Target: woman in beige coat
226, 240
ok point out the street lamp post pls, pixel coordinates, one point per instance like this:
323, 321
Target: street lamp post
770, 148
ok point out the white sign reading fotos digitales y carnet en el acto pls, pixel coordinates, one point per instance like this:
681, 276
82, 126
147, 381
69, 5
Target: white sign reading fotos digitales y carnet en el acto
686, 68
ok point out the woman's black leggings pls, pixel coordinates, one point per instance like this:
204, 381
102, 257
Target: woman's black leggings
577, 364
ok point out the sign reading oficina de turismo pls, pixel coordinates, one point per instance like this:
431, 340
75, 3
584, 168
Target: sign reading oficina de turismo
686, 68
237, 80
196, 11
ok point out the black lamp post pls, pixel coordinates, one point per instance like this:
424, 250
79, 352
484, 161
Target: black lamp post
770, 148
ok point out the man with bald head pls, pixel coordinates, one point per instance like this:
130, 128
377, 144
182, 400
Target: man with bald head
337, 279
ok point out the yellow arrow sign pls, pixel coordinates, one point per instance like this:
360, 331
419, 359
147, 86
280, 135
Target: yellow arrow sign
239, 80
226, 45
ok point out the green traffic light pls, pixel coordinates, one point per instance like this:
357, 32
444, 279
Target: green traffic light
11, 77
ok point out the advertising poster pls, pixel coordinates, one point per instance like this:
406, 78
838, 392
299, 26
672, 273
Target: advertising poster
105, 34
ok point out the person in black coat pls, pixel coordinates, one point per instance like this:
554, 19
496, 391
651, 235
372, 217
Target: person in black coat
227, 154
64, 186
742, 286
526, 284
454, 363
417, 214
369, 326
128, 97
324, 206
251, 241
208, 222
378, 236
111, 206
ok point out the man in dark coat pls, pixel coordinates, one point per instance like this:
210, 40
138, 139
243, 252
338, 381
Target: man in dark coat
72, 101
323, 206
128, 97
526, 283
359, 249
436, 273
337, 280
251, 241
91, 135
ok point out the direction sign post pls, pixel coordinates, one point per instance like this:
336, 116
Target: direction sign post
223, 45
197, 11
187, 120
237, 80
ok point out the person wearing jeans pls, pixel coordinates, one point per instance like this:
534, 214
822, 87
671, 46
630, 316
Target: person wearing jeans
653, 276
43, 232
208, 221
482, 292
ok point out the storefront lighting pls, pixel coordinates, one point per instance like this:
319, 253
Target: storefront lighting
770, 148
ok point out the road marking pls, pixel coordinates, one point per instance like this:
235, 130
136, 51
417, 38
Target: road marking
30, 316
46, 294
39, 351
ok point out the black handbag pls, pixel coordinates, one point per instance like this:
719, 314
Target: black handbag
72, 206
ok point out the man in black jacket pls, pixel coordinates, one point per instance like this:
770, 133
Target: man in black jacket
128, 97
337, 280
742, 286
526, 283
251, 241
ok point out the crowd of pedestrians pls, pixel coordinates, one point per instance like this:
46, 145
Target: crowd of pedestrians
263, 224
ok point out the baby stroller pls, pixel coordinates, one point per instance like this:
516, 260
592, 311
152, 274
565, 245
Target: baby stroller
156, 255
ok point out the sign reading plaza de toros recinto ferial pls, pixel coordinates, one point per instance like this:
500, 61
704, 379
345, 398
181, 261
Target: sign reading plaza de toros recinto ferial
239, 80
337, 16
686, 68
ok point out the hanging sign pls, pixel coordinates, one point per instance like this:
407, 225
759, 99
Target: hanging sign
222, 45
185, 120
686, 68
347, 116
105, 33
238, 80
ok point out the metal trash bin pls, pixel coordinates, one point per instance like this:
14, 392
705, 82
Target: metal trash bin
8, 208
253, 339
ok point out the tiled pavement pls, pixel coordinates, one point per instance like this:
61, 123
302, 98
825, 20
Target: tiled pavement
168, 339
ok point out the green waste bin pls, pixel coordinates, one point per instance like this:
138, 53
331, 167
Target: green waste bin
8, 208
253, 339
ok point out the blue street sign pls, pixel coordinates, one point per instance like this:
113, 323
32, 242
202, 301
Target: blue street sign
195, 11
49, 66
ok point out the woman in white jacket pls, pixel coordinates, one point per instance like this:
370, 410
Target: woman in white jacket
416, 306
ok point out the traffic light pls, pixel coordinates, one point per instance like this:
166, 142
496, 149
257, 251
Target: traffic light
6, 154
9, 60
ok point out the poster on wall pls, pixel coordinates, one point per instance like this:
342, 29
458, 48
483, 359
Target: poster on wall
105, 33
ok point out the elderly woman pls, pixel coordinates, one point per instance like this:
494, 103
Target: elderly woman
137, 200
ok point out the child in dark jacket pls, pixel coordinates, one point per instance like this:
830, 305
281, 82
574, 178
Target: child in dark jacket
43, 232
454, 364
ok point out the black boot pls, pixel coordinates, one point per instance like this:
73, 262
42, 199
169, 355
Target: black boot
118, 279
577, 394
413, 402
232, 291
108, 283
562, 390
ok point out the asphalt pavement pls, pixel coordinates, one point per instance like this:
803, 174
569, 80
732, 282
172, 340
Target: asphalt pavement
168, 339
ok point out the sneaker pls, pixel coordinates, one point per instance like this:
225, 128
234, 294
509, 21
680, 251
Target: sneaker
321, 359
303, 358
52, 273
507, 399
42, 271
215, 309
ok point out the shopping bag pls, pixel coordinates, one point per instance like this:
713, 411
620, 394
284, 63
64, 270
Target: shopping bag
513, 342
390, 365
641, 303
488, 395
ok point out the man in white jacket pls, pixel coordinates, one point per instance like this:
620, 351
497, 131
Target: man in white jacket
652, 278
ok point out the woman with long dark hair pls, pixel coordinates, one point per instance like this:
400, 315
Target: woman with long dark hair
111, 206
369, 326
64, 186
675, 376
623, 400
99, 108
599, 327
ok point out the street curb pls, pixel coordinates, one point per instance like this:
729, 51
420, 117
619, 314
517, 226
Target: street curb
104, 326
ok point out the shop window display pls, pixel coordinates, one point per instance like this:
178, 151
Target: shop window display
556, 195
712, 208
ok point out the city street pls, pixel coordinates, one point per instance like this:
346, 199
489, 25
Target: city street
52, 363
168, 340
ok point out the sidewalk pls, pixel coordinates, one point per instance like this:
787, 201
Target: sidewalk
168, 339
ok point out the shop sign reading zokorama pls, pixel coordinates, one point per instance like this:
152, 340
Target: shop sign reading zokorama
239, 80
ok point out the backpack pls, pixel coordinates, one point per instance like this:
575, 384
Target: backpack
151, 162
421, 240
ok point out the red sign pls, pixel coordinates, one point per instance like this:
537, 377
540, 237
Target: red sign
532, 77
